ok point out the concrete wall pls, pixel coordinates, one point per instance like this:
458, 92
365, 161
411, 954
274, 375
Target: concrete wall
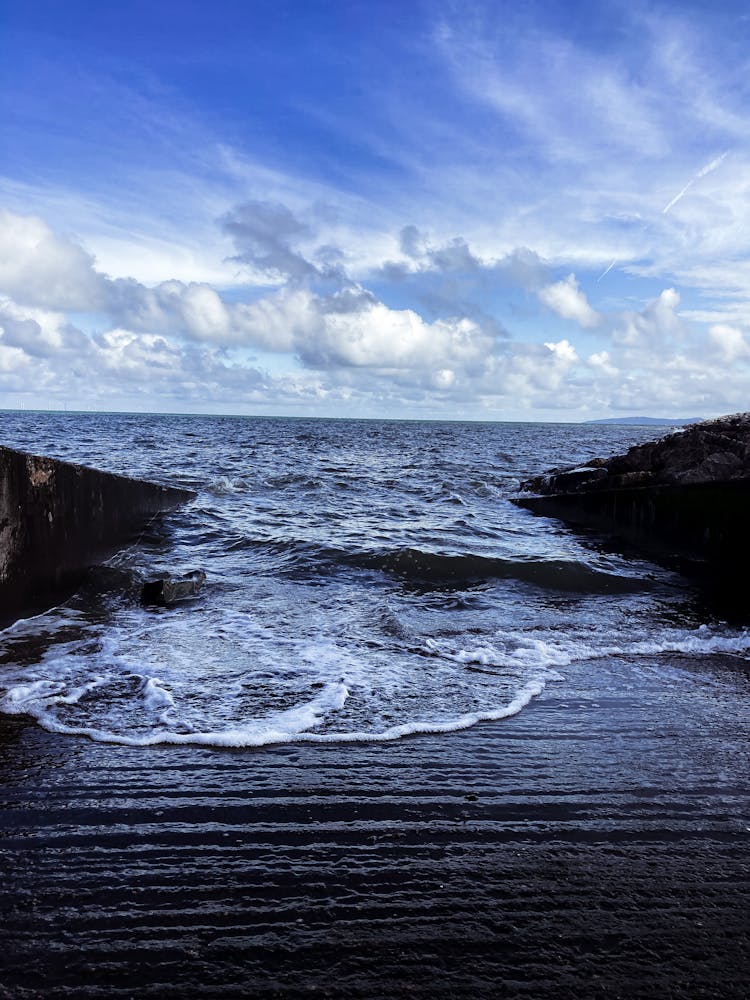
57, 519
706, 522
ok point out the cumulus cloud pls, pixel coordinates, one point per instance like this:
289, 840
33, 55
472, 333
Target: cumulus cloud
195, 310
521, 267
563, 351
530, 373
412, 242
39, 333
151, 328
46, 352
265, 234
384, 339
600, 361
656, 323
567, 300
187, 342
348, 327
455, 255
450, 280
41, 268
730, 341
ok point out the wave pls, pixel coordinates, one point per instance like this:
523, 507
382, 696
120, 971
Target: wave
222, 486
292, 479
313, 690
523, 651
553, 574
291, 726
443, 569
225, 486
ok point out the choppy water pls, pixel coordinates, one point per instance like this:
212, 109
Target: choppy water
366, 580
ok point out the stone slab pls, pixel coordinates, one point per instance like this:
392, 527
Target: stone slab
58, 519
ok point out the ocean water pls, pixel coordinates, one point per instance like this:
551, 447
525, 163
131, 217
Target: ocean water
366, 581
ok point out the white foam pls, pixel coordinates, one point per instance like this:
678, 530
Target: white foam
281, 727
506, 650
224, 486
516, 649
157, 698
289, 727
234, 681
52, 618
24, 697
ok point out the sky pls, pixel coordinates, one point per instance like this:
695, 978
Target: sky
438, 210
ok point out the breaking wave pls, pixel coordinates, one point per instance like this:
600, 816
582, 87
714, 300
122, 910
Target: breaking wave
325, 691
366, 581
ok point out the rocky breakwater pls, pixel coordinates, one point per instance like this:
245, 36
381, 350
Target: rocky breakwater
684, 497
58, 519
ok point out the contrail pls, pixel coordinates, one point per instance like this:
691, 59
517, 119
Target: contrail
709, 168
677, 197
607, 271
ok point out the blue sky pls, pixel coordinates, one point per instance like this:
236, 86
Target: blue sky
460, 210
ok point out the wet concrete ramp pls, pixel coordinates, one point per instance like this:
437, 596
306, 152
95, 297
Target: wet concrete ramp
572, 851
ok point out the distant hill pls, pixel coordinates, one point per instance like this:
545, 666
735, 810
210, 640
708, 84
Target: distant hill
650, 421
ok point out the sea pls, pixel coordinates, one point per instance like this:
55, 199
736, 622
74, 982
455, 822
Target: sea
366, 581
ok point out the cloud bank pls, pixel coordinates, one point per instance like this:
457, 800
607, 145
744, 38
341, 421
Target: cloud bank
78, 335
441, 224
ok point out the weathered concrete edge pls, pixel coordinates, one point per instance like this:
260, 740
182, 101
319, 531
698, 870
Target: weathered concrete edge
57, 519
706, 523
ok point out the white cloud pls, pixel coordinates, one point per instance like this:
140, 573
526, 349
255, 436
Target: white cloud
381, 338
730, 341
600, 360
12, 359
657, 323
39, 332
567, 300
266, 235
563, 351
529, 82
277, 321
41, 268
194, 310
186, 343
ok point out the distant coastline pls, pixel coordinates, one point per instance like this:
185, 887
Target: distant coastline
648, 421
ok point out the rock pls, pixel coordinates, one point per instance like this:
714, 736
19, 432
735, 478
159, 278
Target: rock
709, 452
583, 477
168, 590
683, 498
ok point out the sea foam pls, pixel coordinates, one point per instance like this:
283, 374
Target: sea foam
323, 693
350, 595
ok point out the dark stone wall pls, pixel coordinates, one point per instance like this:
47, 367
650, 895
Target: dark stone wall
704, 522
57, 519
